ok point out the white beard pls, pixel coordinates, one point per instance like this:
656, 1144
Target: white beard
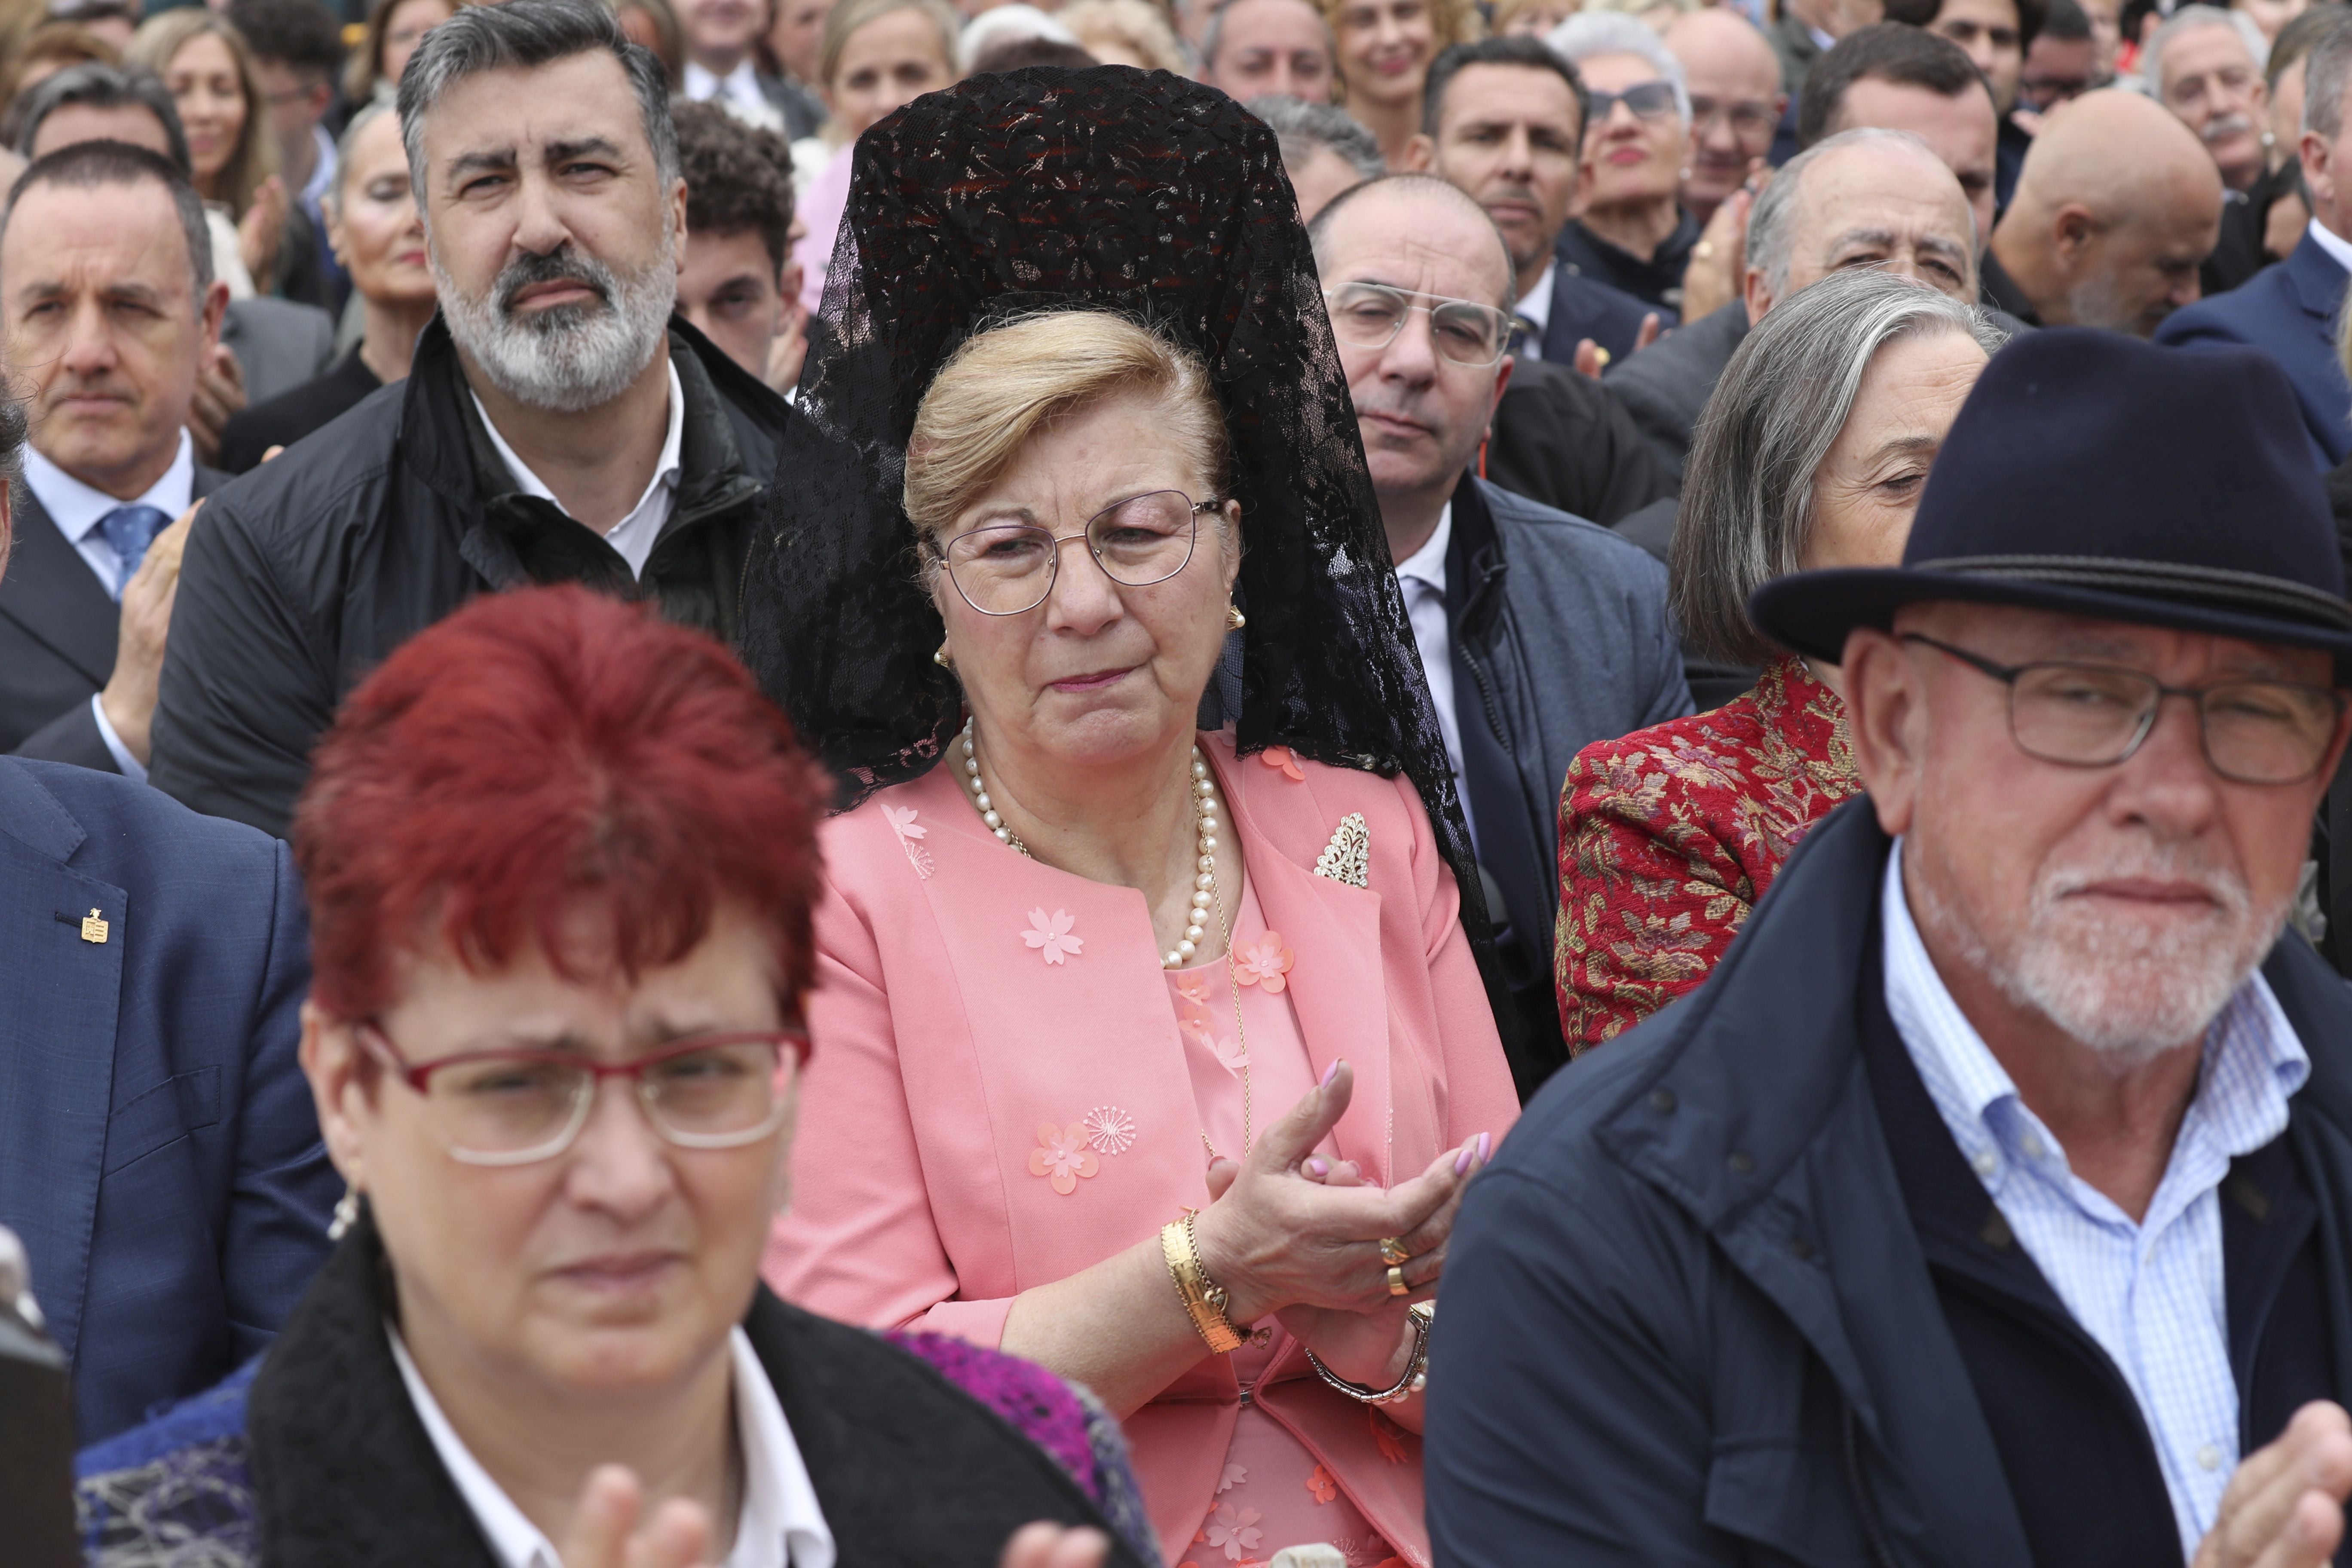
569, 357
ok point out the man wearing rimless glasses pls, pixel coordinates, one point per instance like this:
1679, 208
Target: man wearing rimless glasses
1538, 632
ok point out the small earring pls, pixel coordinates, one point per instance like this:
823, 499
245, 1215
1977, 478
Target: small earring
347, 1215
1234, 619
943, 659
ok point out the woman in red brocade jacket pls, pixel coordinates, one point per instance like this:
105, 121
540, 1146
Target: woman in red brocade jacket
1813, 452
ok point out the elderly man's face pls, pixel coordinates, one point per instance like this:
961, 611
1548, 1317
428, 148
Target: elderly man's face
1422, 414
105, 326
2123, 903
1273, 46
2214, 86
1894, 209
1735, 101
554, 235
1961, 131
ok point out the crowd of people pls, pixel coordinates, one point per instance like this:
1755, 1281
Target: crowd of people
1713, 639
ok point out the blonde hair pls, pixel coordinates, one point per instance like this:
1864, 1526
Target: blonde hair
1003, 386
254, 158
851, 14
1450, 22
1136, 23
1507, 12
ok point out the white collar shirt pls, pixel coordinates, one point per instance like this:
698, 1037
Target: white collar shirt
737, 90
635, 535
2339, 248
781, 1525
1535, 310
2151, 1291
322, 175
1421, 575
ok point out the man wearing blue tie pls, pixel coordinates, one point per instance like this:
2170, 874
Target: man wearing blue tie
106, 339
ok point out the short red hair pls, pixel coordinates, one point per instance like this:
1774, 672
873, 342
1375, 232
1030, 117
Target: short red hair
535, 752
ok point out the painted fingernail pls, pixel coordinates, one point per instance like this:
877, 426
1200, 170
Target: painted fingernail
1318, 1168
1485, 1147
1462, 1160
1328, 1074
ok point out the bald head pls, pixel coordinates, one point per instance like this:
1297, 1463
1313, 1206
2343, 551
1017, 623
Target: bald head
1422, 225
2116, 207
1735, 100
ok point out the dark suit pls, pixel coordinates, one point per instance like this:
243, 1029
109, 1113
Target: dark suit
279, 343
1666, 385
2287, 312
1585, 307
159, 1154
1564, 440
58, 628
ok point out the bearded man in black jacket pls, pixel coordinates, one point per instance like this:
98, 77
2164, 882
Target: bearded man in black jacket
558, 423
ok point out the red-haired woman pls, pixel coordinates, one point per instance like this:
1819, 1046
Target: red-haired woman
560, 857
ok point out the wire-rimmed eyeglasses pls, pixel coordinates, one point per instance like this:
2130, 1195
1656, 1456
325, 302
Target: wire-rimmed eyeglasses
2096, 715
1370, 315
516, 1107
1005, 568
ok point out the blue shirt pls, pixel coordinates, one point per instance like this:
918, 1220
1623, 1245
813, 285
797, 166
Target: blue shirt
2150, 1292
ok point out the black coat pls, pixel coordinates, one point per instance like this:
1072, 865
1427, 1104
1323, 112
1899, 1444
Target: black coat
1666, 385
300, 576
1564, 440
58, 628
287, 418
909, 1468
1713, 1277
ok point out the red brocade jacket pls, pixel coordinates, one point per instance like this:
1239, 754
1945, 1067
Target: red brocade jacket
1669, 836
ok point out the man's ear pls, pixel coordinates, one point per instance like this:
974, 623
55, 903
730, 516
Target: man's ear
678, 217
215, 307
2072, 230
1886, 711
1420, 154
1756, 294
335, 1064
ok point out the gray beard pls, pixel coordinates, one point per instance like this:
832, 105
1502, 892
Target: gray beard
2129, 994
572, 357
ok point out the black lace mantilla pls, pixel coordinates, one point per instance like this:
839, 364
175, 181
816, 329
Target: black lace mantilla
1115, 189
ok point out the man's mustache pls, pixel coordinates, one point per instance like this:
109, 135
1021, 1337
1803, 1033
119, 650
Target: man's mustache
563, 266
2224, 125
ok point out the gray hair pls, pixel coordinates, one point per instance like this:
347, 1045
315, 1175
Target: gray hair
1213, 36
2187, 19
1589, 34
1772, 224
93, 84
2324, 71
1748, 497
332, 200
522, 34
1303, 129
92, 166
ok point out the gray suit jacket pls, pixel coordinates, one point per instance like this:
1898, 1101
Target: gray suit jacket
1666, 385
58, 630
278, 344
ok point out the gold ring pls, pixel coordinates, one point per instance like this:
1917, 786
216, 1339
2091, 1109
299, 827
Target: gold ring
1392, 1250
1397, 1287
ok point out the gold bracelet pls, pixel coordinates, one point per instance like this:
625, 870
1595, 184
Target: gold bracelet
1204, 1299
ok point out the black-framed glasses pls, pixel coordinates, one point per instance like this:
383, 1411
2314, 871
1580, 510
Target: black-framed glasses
1750, 119
2096, 715
1651, 101
518, 1107
1370, 315
1005, 568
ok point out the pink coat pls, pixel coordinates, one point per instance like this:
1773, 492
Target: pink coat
955, 1034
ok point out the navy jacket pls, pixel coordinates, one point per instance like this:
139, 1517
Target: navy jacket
2288, 311
1584, 308
159, 1154
1689, 1318
1560, 639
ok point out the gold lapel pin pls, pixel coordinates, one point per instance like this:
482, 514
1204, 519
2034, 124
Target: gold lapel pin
93, 929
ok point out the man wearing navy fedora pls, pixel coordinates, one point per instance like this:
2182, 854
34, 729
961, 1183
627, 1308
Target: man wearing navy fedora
1991, 1202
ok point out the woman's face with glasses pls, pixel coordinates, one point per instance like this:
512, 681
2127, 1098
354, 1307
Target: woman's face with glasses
1636, 144
586, 1232
1085, 592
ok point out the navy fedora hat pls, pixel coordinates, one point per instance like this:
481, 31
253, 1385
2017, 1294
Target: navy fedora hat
2093, 473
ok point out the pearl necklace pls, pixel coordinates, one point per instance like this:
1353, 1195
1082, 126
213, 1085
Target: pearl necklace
1204, 812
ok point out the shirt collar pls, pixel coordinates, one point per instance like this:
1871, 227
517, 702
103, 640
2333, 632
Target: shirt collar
1535, 305
322, 174
531, 484
77, 508
781, 1525
2339, 248
741, 84
1427, 564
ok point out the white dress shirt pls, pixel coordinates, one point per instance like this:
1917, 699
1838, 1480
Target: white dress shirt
781, 1525
635, 535
738, 92
2150, 1292
1422, 578
2339, 248
76, 510
1535, 309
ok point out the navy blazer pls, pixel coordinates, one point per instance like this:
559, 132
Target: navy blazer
159, 1154
1585, 307
2288, 311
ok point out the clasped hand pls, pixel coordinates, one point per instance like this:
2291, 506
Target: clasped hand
1294, 1235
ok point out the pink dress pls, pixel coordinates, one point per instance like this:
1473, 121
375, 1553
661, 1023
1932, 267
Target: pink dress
1273, 1492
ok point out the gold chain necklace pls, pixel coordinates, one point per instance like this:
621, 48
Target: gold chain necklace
1206, 897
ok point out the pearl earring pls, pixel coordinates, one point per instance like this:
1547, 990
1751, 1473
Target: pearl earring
943, 659
347, 1215
1234, 619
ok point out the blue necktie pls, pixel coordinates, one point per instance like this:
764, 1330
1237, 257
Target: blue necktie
128, 530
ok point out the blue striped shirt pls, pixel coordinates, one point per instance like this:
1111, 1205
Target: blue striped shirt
2149, 1292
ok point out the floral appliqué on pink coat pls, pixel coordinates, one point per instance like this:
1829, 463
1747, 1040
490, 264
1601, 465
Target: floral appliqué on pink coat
1198, 1020
1264, 962
1050, 934
1063, 1156
901, 819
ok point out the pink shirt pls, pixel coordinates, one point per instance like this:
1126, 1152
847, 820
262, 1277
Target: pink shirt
1001, 1094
